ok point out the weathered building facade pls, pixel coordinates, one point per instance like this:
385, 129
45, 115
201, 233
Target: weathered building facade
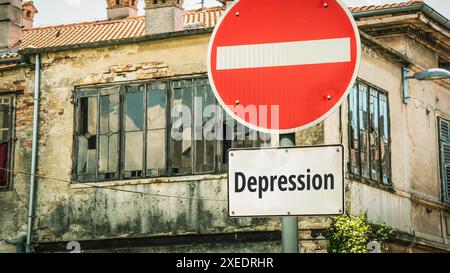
109, 176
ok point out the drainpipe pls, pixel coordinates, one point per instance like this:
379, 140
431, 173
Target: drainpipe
37, 76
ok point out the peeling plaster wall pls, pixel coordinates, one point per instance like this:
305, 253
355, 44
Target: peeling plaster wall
67, 212
414, 156
419, 53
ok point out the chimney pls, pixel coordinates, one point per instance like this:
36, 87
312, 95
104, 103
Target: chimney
28, 13
120, 9
162, 16
10, 23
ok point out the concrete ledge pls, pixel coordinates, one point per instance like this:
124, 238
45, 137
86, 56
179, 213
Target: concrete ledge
244, 237
411, 241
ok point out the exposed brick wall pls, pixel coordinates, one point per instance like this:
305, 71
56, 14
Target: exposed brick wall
24, 120
14, 86
311, 136
130, 72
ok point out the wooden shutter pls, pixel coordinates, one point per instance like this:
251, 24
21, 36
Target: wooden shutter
444, 131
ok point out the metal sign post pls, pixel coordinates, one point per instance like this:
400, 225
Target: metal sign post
312, 68
289, 225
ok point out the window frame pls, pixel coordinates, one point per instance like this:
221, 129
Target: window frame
11, 146
218, 144
379, 91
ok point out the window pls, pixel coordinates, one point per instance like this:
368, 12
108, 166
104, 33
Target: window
6, 124
126, 131
444, 139
369, 136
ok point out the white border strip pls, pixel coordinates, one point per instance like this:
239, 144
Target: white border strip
284, 54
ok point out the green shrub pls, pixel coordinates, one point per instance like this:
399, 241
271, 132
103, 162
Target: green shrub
352, 234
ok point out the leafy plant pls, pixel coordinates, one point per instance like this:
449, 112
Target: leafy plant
352, 234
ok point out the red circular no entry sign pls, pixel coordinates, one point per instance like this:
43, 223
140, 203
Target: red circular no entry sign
301, 56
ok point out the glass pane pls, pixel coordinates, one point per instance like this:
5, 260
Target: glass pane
384, 139
205, 152
134, 125
156, 106
134, 108
156, 125
156, 152
354, 131
108, 149
364, 130
134, 149
109, 128
374, 137
5, 123
181, 149
109, 113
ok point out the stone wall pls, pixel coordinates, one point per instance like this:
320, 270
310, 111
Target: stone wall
17, 83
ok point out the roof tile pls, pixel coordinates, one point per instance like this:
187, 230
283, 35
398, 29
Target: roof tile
96, 31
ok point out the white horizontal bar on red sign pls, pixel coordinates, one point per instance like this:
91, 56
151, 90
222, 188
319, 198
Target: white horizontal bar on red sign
284, 54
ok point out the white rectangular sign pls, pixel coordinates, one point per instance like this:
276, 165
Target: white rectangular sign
298, 181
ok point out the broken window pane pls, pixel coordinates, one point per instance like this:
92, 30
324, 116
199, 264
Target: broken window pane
364, 130
87, 138
384, 139
205, 150
156, 129
369, 133
374, 136
122, 131
237, 136
181, 149
354, 131
134, 131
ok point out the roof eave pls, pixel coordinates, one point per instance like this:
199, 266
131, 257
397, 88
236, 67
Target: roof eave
144, 38
426, 9
397, 56
14, 60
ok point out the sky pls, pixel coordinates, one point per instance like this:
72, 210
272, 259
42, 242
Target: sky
54, 12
